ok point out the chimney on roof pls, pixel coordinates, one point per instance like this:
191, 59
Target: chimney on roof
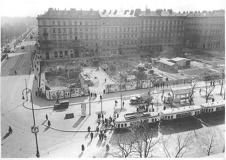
170, 11
109, 12
137, 11
147, 11
159, 11
104, 12
125, 12
132, 11
115, 12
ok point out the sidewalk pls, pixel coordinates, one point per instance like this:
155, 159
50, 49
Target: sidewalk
106, 97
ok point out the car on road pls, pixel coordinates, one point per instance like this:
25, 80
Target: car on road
22, 47
137, 100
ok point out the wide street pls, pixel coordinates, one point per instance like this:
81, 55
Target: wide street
65, 136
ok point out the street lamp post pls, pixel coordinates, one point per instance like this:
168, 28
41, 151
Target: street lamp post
101, 103
89, 105
31, 58
34, 128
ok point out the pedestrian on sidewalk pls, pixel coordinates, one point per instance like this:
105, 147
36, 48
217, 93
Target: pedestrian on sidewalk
104, 91
123, 103
46, 117
105, 80
88, 129
105, 137
97, 129
200, 90
35, 78
10, 130
102, 116
91, 95
49, 124
213, 83
36, 93
91, 136
107, 148
15, 73
83, 148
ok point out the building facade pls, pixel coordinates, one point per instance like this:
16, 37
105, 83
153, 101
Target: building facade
69, 34
205, 30
119, 33
160, 29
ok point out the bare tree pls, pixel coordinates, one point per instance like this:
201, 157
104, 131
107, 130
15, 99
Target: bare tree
209, 140
123, 144
191, 94
222, 80
145, 141
180, 145
209, 90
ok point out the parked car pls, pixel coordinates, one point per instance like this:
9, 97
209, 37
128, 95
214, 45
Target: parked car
22, 47
137, 100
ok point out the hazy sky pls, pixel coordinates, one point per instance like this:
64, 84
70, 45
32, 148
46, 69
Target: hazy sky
22, 8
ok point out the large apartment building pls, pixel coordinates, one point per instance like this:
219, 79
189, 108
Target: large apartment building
119, 32
160, 29
205, 30
69, 34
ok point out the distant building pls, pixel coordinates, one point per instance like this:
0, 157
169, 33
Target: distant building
70, 34
205, 30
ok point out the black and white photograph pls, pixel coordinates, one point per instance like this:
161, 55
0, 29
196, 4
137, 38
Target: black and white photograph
113, 79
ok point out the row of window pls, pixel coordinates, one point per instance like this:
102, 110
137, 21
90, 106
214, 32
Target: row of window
177, 34
163, 28
70, 37
130, 21
71, 22
124, 125
164, 40
120, 29
116, 43
204, 33
204, 25
70, 30
162, 22
119, 36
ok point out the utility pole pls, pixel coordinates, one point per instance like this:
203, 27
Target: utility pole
89, 105
31, 58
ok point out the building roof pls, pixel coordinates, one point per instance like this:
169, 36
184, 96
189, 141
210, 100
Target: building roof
72, 13
136, 116
216, 13
116, 13
181, 91
180, 109
179, 59
166, 61
216, 103
161, 13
